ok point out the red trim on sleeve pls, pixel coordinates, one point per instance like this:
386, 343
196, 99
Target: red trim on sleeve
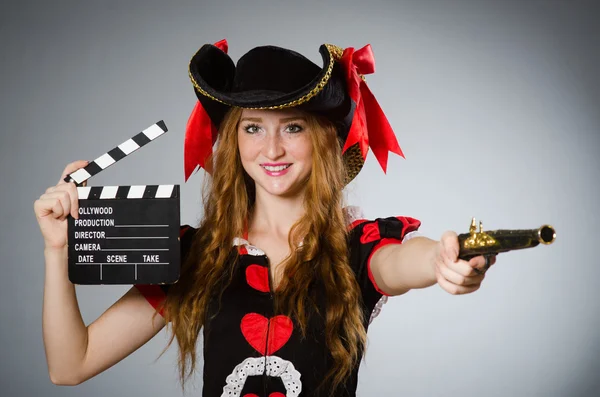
370, 233
410, 224
382, 243
153, 294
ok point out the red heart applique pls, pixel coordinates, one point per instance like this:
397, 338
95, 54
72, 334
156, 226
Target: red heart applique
258, 277
275, 394
254, 328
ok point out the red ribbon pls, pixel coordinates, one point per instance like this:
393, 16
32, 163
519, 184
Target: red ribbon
200, 134
222, 45
370, 233
369, 126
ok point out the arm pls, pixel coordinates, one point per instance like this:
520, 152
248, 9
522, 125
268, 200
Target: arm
74, 352
421, 262
398, 268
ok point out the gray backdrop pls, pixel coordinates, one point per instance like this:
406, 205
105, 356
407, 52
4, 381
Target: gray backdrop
494, 103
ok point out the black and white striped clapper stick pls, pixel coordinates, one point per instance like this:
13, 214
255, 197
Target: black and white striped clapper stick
116, 154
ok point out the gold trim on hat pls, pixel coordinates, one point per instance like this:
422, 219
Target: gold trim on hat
335, 53
353, 162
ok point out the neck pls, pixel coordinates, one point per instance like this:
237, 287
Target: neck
274, 214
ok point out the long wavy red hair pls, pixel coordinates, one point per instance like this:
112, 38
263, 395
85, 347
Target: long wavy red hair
228, 201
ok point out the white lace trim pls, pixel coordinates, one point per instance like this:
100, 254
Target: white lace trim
252, 250
252, 366
377, 309
410, 235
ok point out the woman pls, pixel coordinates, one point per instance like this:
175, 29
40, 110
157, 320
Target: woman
279, 276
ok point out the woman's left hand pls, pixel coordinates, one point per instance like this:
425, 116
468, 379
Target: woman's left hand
454, 275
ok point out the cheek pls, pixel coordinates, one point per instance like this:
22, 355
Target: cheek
302, 149
247, 148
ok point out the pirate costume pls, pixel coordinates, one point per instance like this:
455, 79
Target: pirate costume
249, 350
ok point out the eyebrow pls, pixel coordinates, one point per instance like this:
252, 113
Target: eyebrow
284, 120
292, 119
255, 119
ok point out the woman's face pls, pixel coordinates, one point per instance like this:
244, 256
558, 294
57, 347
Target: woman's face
276, 150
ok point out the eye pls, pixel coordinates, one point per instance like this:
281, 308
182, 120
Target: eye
252, 128
294, 128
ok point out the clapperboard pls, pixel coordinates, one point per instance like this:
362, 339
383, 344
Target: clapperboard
124, 234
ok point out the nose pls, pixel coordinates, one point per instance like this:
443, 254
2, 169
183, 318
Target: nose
273, 147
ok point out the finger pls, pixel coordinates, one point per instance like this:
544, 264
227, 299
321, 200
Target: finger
64, 200
58, 210
48, 206
74, 197
71, 190
459, 279
58, 188
72, 167
459, 266
450, 243
42, 208
479, 262
456, 289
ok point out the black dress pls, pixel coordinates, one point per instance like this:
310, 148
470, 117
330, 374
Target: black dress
245, 336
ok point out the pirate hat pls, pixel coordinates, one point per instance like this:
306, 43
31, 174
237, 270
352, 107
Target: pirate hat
271, 77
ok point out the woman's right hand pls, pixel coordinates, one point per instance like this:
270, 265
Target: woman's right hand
55, 205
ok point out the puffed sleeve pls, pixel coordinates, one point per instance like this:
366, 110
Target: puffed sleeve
365, 238
156, 294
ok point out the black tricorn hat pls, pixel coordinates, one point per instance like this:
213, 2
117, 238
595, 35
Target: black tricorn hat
270, 77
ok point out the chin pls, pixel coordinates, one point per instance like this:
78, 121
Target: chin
287, 187
281, 190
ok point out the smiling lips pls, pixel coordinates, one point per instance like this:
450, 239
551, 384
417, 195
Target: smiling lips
276, 169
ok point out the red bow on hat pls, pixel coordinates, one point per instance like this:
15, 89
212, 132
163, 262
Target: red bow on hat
369, 126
